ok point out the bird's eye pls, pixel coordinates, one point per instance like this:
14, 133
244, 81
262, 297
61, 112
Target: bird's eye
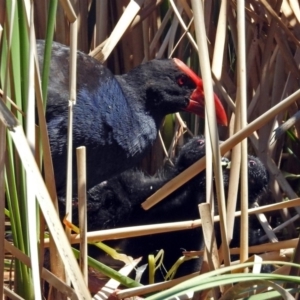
185, 81
201, 142
181, 80
252, 163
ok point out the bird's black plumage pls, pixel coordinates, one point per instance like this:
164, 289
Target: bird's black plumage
258, 178
115, 117
117, 203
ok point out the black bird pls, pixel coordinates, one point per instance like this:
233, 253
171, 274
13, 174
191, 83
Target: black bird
117, 203
258, 178
115, 117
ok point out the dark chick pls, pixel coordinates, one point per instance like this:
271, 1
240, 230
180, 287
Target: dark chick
114, 202
258, 179
117, 203
115, 117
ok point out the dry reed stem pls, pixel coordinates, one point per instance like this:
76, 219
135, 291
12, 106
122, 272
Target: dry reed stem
210, 119
126, 232
69, 11
127, 17
153, 287
82, 210
71, 104
241, 116
281, 245
211, 257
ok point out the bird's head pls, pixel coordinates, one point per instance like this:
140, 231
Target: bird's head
196, 99
190, 152
167, 86
258, 179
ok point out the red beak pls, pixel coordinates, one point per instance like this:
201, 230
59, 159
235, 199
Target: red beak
196, 104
